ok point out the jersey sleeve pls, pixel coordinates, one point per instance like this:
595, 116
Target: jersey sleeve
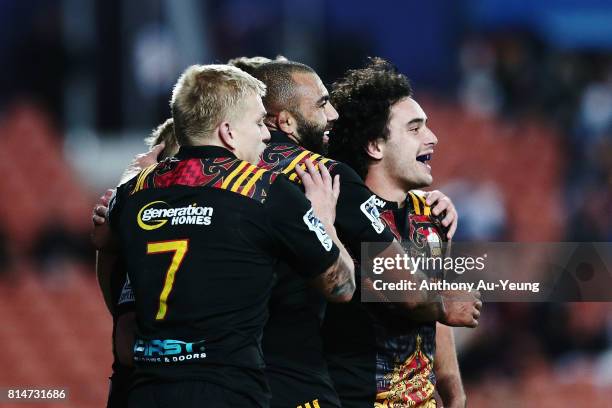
297, 233
117, 201
357, 216
121, 289
114, 208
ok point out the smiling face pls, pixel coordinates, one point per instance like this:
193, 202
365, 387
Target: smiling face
314, 113
409, 146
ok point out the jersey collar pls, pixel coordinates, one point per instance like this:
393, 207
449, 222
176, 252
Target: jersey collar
276, 136
203, 152
385, 205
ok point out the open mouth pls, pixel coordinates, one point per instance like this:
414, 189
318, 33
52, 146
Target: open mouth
424, 158
326, 136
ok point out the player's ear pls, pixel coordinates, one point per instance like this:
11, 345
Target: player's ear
286, 122
224, 132
375, 148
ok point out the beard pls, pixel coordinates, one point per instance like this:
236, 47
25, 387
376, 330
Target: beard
311, 134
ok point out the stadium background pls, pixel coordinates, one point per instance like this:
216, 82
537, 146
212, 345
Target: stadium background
519, 94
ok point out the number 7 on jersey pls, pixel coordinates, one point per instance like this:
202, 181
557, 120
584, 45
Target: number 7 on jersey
180, 248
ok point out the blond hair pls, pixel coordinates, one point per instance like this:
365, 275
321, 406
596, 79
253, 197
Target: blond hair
205, 95
164, 133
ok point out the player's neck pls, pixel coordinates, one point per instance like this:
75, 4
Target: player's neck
273, 128
386, 188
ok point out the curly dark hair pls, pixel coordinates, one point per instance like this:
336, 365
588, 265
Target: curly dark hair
363, 99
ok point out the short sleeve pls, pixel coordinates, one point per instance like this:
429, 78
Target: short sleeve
296, 232
357, 216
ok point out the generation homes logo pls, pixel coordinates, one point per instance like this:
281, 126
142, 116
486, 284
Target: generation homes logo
156, 214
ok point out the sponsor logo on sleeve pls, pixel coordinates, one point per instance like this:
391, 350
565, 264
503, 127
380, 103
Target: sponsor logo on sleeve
156, 214
314, 224
127, 294
370, 209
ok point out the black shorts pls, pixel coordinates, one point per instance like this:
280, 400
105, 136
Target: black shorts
188, 394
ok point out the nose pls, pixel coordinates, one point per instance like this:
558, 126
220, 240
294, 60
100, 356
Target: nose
431, 138
331, 112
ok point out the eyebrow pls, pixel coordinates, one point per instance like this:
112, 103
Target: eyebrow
417, 120
322, 99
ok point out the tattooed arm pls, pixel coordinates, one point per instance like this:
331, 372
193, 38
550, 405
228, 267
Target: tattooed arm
337, 283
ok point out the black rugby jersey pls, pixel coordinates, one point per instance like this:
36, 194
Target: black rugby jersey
292, 343
201, 235
375, 358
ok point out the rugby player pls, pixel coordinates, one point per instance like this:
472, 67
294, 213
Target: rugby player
221, 224
118, 295
300, 117
383, 134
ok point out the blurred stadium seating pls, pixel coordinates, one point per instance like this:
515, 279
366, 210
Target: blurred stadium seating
55, 334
